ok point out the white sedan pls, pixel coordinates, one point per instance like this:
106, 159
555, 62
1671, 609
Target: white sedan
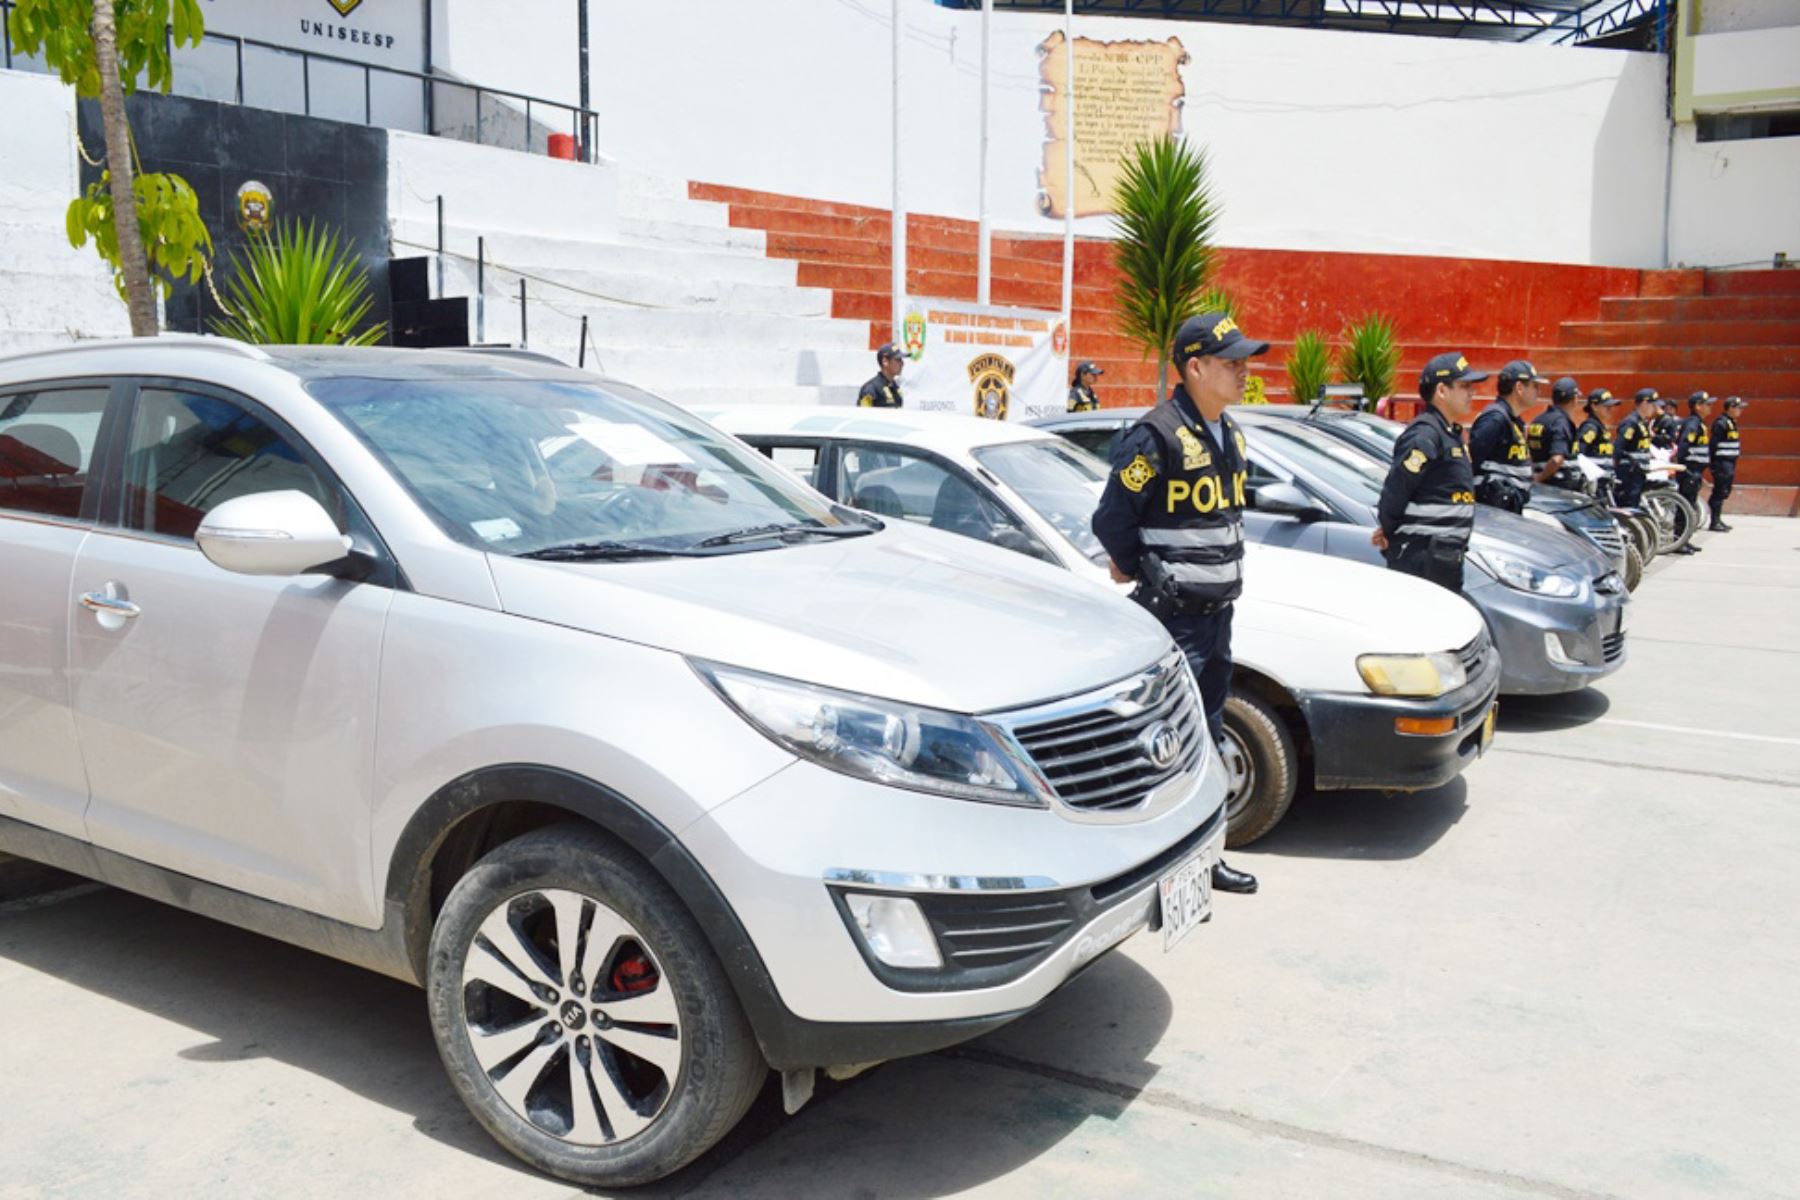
1346, 676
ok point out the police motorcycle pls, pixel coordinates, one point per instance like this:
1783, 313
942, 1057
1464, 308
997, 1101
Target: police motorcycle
1578, 496
1676, 517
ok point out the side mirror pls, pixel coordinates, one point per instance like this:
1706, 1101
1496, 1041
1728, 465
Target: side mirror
1284, 499
271, 533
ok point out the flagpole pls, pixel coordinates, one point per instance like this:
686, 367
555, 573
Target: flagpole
1068, 279
984, 265
899, 217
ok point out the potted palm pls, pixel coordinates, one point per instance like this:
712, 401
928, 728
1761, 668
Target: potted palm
298, 286
1372, 356
1309, 366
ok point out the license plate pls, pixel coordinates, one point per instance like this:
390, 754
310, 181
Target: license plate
1487, 726
1186, 896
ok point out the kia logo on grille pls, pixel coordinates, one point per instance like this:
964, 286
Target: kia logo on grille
1161, 744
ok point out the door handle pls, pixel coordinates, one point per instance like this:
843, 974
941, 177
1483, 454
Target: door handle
108, 606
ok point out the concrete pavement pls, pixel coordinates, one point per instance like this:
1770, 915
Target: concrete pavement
1571, 973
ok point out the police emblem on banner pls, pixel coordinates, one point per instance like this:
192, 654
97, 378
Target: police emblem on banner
912, 332
991, 378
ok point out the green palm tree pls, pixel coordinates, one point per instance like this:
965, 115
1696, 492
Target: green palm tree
1372, 355
297, 286
1164, 214
1309, 366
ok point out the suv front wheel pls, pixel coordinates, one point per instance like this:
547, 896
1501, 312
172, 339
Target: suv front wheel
582, 1016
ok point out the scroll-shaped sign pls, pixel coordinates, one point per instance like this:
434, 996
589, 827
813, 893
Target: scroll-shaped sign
1125, 93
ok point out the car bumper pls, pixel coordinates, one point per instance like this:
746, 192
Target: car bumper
1589, 635
1356, 744
788, 851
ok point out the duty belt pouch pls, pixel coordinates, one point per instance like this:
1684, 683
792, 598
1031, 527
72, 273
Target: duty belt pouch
1164, 596
1446, 553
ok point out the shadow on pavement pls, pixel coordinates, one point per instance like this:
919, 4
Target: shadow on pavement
1551, 714
1378, 826
257, 998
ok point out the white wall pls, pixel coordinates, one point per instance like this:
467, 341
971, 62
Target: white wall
1733, 202
1732, 64
493, 190
1316, 136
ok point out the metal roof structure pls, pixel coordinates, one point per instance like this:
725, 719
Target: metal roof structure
1551, 21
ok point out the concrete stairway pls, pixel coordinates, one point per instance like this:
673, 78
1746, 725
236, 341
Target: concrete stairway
681, 303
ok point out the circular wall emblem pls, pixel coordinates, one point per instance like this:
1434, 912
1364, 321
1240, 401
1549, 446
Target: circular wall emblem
1162, 744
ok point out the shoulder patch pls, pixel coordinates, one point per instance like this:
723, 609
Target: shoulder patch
1415, 462
1137, 474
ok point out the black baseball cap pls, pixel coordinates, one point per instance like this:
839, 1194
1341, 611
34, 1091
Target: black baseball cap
1601, 398
1665, 401
1088, 367
1698, 398
1520, 371
1452, 367
889, 351
1644, 394
1736, 402
1213, 335
1566, 389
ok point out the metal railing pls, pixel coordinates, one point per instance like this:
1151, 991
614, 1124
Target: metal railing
495, 110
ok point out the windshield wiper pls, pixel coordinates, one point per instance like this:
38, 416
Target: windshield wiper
757, 533
600, 551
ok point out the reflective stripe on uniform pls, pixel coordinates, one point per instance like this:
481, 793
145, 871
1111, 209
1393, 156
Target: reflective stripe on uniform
1447, 533
1441, 512
1206, 573
1204, 535
1728, 450
1493, 468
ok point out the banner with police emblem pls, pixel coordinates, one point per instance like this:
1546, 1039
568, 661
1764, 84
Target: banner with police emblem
1005, 364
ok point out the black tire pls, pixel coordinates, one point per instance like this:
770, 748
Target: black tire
1677, 515
720, 1067
1256, 732
1642, 531
1634, 567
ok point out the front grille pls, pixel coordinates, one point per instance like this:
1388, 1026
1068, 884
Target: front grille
1612, 646
1474, 655
1096, 758
1608, 538
989, 931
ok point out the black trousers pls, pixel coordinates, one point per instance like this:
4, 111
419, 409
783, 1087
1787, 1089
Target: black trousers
1724, 475
1689, 485
1206, 640
1628, 490
1436, 560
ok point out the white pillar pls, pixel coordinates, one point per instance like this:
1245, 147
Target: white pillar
984, 264
894, 334
1068, 279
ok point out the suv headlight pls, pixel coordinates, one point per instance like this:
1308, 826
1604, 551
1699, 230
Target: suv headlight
1411, 674
1522, 576
878, 740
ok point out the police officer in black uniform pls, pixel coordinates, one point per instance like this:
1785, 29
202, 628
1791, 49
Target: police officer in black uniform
1427, 505
1727, 444
1171, 513
1497, 449
1551, 438
883, 391
1593, 437
1693, 446
1081, 389
1631, 453
1667, 428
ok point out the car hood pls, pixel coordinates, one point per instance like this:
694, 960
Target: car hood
1368, 608
914, 615
1558, 501
1540, 545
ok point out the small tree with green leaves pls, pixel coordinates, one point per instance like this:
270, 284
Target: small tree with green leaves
1217, 299
1164, 214
1309, 366
298, 287
1371, 355
136, 220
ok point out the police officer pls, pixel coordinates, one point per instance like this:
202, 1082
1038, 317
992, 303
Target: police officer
883, 391
1726, 445
1593, 438
1081, 388
1171, 515
1551, 438
1667, 429
1631, 453
1497, 450
1693, 446
1428, 502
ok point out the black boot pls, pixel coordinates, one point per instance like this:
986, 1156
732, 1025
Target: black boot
1224, 879
1718, 522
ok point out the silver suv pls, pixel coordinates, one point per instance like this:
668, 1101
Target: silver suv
654, 767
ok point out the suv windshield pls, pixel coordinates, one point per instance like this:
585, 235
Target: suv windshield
567, 469
1315, 452
1060, 482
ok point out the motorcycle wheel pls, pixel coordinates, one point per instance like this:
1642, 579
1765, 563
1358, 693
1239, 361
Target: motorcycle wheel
1634, 567
1678, 516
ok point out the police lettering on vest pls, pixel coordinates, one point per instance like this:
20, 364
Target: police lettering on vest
1550, 436
1499, 456
1430, 492
1177, 494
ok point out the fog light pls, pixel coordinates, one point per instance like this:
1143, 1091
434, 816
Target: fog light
1425, 726
895, 930
1559, 655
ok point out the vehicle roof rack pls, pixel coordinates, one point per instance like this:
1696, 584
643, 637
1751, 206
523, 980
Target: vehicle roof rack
165, 341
